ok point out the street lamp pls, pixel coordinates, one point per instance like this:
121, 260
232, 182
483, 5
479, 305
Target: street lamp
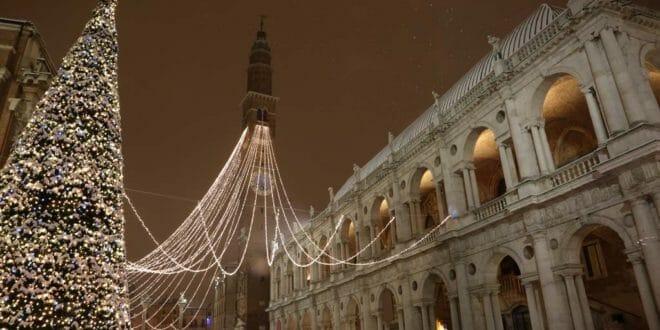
146, 302
182, 307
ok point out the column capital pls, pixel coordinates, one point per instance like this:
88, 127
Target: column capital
5, 74
529, 279
568, 270
638, 200
635, 255
586, 89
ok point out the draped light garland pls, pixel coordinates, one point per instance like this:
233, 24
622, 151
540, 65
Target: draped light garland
206, 247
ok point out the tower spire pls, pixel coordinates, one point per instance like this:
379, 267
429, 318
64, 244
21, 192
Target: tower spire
260, 73
259, 105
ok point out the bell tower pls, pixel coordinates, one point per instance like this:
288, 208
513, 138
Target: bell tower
259, 105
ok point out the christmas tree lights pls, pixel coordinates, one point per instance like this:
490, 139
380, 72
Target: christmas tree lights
61, 220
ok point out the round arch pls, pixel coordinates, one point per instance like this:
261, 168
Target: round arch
471, 139
573, 237
495, 257
380, 215
543, 87
353, 313
482, 151
348, 234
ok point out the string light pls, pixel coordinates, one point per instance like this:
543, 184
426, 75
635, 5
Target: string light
198, 247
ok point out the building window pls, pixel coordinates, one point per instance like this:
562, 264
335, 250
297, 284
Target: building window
592, 257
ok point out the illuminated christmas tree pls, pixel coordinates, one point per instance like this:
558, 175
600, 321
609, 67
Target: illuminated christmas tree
61, 220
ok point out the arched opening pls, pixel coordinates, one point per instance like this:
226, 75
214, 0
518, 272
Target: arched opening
432, 210
609, 282
437, 315
352, 244
513, 302
381, 218
306, 271
291, 323
652, 64
349, 237
488, 167
326, 319
389, 316
307, 321
353, 314
325, 260
568, 125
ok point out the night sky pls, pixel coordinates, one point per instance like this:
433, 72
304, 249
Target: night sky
346, 74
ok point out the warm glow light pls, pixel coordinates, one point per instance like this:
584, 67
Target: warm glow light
439, 325
485, 147
426, 184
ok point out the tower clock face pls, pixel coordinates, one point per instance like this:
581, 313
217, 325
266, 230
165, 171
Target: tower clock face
262, 184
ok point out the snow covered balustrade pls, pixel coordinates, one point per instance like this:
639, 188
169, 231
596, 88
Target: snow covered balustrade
573, 170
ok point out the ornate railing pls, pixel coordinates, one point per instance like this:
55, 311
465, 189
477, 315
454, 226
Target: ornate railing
491, 208
511, 289
576, 169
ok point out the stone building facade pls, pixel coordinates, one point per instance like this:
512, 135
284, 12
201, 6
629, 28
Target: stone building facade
547, 154
25, 72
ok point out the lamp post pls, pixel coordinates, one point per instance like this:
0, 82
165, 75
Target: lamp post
182, 307
146, 302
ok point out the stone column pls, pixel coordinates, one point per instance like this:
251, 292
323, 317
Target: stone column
468, 188
534, 311
656, 202
649, 240
606, 88
512, 163
574, 302
463, 296
522, 142
549, 160
497, 310
432, 316
379, 320
441, 199
594, 113
400, 318
584, 303
453, 308
649, 306
425, 316
416, 211
640, 76
475, 188
506, 167
345, 249
538, 148
555, 306
314, 319
488, 310
626, 87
